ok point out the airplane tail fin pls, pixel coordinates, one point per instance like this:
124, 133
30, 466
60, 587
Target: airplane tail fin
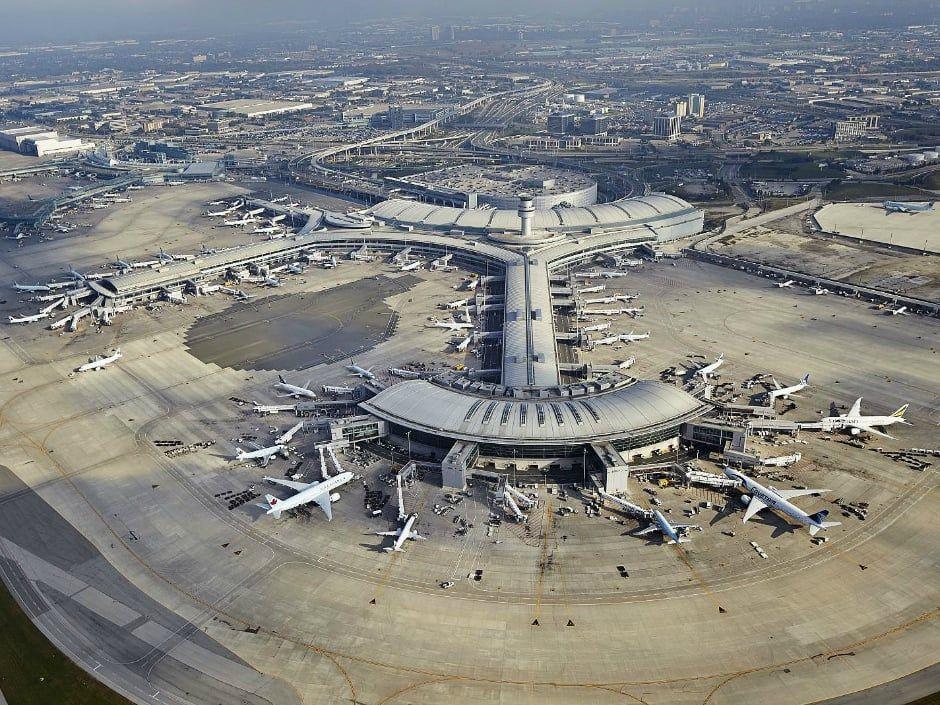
805, 379
819, 524
238, 452
268, 505
899, 414
281, 377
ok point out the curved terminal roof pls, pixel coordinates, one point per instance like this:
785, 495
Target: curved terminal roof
624, 213
619, 413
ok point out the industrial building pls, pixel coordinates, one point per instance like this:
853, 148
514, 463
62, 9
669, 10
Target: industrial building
251, 108
40, 142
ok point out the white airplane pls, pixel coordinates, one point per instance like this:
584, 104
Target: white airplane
269, 230
609, 340
819, 291
411, 266
77, 276
600, 300
760, 497
32, 288
785, 392
902, 311
633, 312
240, 223
856, 423
632, 337
289, 434
219, 214
296, 268
271, 281
280, 199
319, 492
122, 265
100, 362
598, 327
277, 219
464, 344
460, 303
785, 285
626, 297
906, 207
336, 389
601, 312
263, 454
272, 408
27, 319
292, 390
165, 257
706, 370
253, 212
215, 203
357, 371
627, 364
17, 236
671, 532
450, 325
405, 530
591, 289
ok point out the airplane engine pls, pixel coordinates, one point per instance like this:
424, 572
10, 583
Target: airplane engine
855, 431
334, 497
745, 499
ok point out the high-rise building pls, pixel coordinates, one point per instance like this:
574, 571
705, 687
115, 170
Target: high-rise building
435, 33
869, 121
680, 108
847, 130
667, 126
594, 125
697, 105
561, 123
451, 33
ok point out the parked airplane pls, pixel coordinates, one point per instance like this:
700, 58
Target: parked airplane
319, 492
633, 312
240, 223
336, 389
785, 285
464, 344
292, 390
902, 311
906, 207
672, 533
258, 453
460, 303
855, 423
819, 291
32, 288
632, 337
450, 325
597, 327
760, 497
411, 266
360, 372
100, 362
785, 392
406, 522
221, 213
76, 275
277, 219
253, 212
269, 230
626, 297
706, 370
28, 319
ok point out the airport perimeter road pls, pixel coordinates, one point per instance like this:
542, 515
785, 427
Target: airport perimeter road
739, 223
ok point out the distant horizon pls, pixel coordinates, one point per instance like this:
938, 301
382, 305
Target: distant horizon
59, 21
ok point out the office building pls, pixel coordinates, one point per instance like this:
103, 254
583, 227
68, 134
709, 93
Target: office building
680, 108
594, 125
435, 33
667, 126
697, 105
561, 123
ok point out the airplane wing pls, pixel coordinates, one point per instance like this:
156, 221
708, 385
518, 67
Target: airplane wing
776, 383
856, 409
754, 506
652, 528
386, 533
790, 494
296, 486
869, 429
419, 537
324, 501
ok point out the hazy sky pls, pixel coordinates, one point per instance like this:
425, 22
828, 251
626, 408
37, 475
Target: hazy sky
75, 20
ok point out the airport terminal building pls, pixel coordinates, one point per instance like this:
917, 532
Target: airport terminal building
533, 407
